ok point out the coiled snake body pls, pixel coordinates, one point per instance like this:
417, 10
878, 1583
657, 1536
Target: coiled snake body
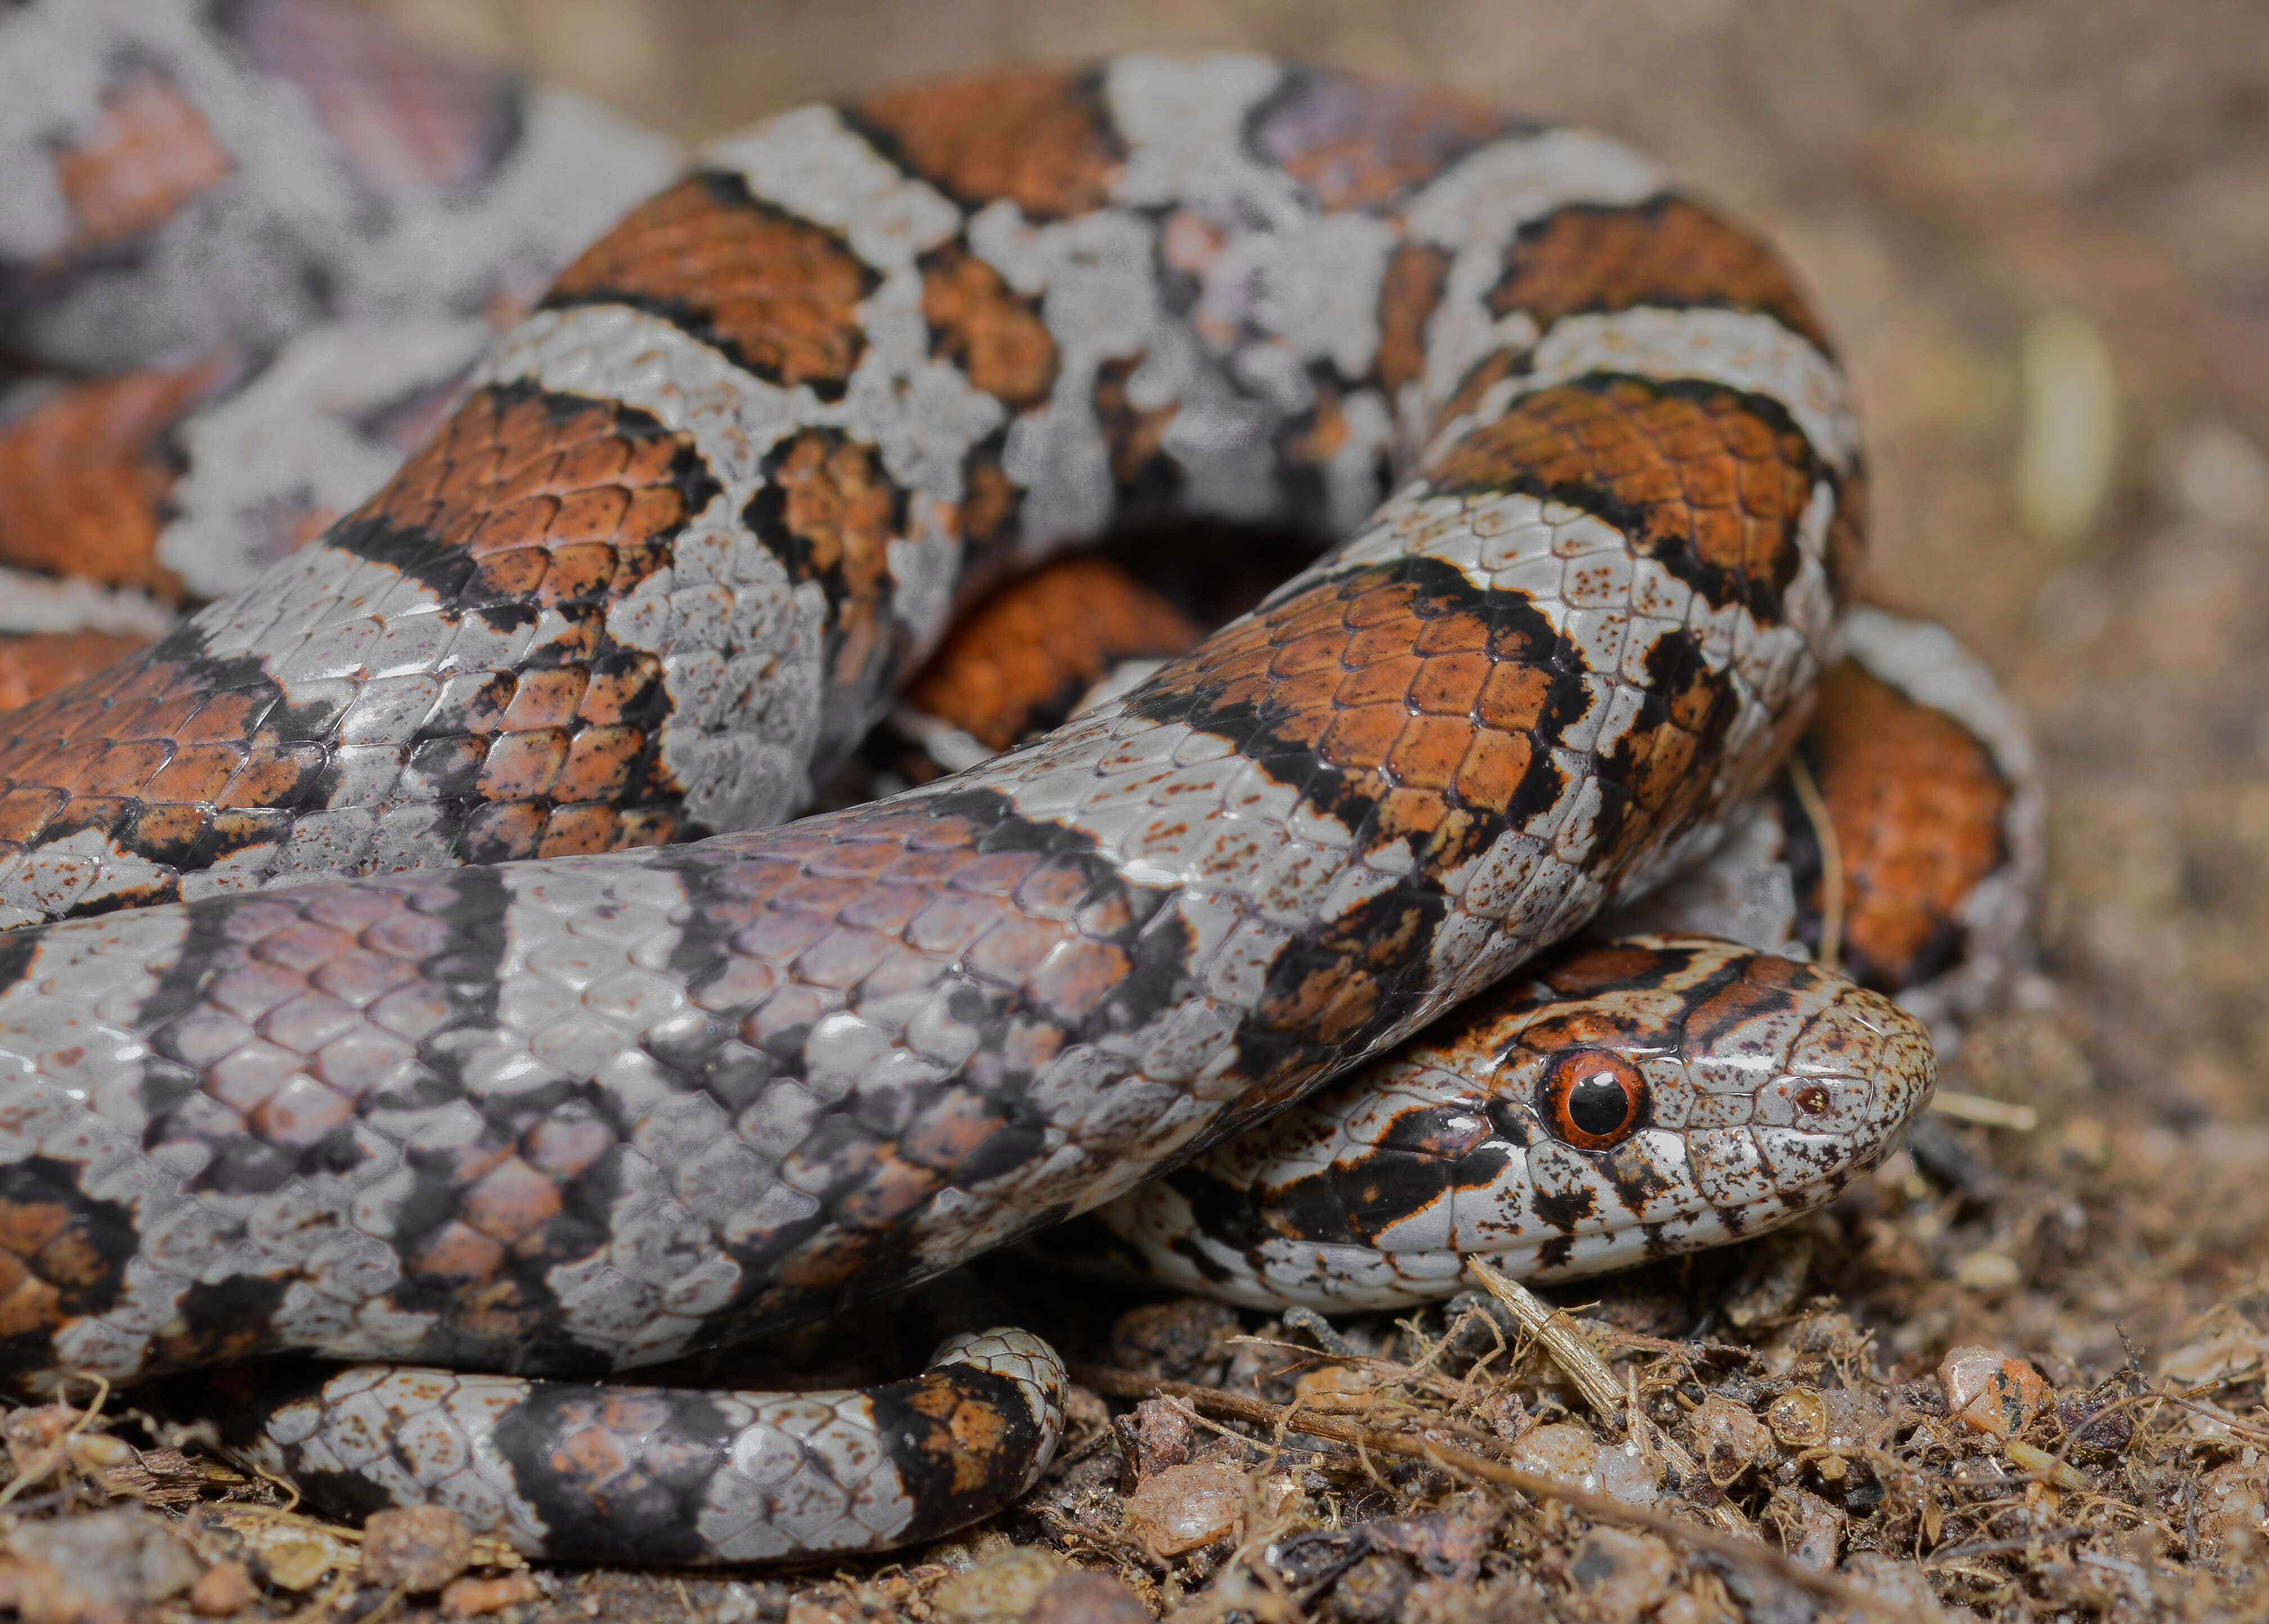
664, 564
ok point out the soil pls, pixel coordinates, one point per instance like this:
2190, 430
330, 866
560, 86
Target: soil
2018, 1375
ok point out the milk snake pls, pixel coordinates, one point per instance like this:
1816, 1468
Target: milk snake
383, 988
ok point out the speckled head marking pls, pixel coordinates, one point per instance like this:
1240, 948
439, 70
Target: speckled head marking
1650, 1095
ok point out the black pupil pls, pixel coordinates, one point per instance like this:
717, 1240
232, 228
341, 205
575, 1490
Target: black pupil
1597, 1105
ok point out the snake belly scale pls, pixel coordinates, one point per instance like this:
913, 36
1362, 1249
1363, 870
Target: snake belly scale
692, 522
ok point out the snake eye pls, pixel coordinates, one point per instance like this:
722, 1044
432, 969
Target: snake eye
1593, 1100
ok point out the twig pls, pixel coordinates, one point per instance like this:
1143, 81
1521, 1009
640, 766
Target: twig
1575, 1357
1447, 1458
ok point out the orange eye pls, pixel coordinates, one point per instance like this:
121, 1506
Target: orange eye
1593, 1100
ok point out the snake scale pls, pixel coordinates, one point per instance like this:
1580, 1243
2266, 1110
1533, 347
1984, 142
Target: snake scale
412, 962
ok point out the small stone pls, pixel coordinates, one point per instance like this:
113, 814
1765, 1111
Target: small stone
1679, 1609
1798, 1418
1686, 1607
809, 1609
1810, 1529
2234, 1353
1332, 1381
1857, 1418
1185, 1508
1373, 1591
1448, 1543
1088, 1596
1630, 1473
1621, 1573
1185, 1341
1163, 1436
2100, 1431
1563, 1449
967, 1548
1000, 1590
1988, 1391
1904, 1584
418, 1549
34, 1436
223, 1590
2209, 471
296, 1564
1729, 1437
469, 1597
122, 1559
2233, 1503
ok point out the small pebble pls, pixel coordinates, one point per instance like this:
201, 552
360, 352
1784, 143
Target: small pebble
1183, 1508
1989, 1391
1163, 1437
1729, 1437
1373, 1591
1631, 1474
1185, 1341
1087, 1597
2232, 1501
2209, 471
297, 1564
122, 1557
1810, 1529
222, 1590
1000, 1590
419, 1548
1798, 1418
1563, 1449
469, 1597
1620, 1574
1900, 1582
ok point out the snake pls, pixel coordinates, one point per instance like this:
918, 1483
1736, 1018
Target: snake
416, 956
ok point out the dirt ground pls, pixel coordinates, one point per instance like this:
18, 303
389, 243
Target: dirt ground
1991, 201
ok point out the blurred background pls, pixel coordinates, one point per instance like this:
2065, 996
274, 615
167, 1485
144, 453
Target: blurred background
2040, 232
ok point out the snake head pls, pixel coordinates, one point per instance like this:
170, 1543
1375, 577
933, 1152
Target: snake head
1625, 1100
1666, 1093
